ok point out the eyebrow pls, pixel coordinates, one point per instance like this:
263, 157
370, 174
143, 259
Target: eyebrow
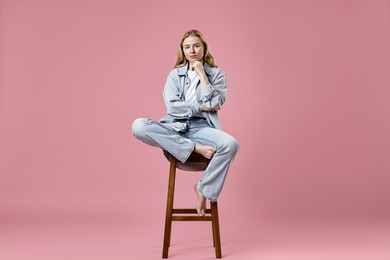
192, 44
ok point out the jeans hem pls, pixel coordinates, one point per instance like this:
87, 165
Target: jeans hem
185, 158
204, 194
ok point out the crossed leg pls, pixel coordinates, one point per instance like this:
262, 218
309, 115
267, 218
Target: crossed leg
221, 149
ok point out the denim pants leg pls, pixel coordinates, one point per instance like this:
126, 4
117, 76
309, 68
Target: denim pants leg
181, 145
164, 136
226, 148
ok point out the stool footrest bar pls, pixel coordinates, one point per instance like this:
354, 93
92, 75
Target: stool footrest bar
188, 211
192, 218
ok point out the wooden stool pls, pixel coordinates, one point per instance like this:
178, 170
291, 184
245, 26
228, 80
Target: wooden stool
195, 162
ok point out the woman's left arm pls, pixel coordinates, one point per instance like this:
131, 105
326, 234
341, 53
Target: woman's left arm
214, 95
213, 89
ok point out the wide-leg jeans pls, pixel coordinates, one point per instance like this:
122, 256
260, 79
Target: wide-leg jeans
181, 144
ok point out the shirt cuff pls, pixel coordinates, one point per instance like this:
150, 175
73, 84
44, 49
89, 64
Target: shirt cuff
208, 93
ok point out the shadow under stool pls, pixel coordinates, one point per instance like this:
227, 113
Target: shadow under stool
195, 162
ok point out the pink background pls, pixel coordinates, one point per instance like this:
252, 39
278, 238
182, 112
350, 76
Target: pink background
308, 100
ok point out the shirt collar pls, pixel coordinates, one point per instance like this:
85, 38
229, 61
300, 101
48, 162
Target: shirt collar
183, 69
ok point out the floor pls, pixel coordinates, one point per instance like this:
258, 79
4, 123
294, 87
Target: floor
120, 235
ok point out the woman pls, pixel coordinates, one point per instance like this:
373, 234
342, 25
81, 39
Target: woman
194, 93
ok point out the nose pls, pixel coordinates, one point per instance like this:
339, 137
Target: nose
192, 49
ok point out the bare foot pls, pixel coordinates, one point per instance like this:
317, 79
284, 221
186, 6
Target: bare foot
201, 202
205, 150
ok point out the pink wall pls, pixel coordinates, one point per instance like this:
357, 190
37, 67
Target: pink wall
308, 100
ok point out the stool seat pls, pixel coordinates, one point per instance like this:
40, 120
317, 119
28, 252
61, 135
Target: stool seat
195, 162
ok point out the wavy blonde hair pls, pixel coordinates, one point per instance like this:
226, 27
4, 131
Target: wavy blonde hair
207, 57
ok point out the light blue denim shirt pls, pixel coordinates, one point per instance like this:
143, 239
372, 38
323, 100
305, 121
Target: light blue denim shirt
175, 90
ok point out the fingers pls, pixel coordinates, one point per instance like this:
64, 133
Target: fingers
205, 109
197, 65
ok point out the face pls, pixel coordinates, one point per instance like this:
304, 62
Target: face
193, 49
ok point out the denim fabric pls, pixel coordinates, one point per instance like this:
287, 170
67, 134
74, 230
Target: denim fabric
181, 144
184, 125
176, 87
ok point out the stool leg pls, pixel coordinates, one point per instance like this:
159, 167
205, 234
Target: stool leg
168, 216
215, 224
212, 226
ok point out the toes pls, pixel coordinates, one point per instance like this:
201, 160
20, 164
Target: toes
201, 211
